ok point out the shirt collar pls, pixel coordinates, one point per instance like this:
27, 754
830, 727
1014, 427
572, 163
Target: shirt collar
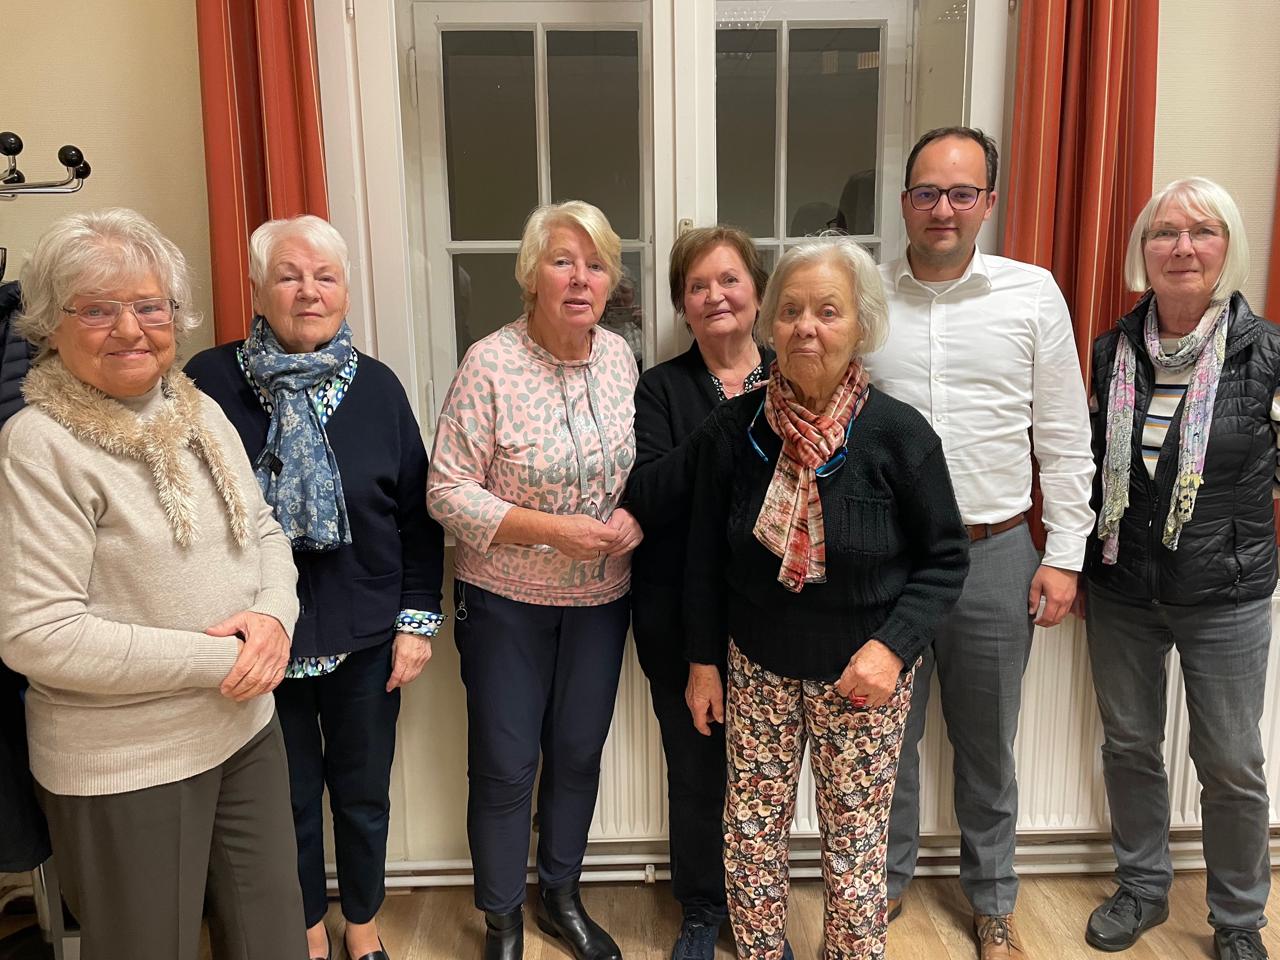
976, 275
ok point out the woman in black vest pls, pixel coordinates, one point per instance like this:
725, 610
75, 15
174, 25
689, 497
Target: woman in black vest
717, 281
1184, 434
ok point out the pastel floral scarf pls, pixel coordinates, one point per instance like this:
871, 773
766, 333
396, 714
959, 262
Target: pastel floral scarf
1205, 347
297, 469
790, 521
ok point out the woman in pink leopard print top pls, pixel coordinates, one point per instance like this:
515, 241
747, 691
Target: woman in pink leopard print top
532, 454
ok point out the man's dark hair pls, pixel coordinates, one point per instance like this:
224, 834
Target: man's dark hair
965, 133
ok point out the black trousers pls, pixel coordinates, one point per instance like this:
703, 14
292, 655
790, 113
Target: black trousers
139, 868
695, 798
543, 680
340, 732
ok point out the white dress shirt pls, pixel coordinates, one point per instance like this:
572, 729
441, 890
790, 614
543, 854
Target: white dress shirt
986, 359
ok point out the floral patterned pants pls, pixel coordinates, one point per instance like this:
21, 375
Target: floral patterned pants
854, 758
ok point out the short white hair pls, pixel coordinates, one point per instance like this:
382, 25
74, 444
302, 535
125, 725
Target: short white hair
860, 269
87, 254
316, 232
588, 218
1202, 197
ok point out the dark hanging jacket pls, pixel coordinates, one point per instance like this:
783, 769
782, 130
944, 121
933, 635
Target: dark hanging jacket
24, 837
1227, 550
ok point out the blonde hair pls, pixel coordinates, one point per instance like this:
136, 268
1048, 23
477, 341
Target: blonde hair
1200, 196
859, 268
89, 253
537, 236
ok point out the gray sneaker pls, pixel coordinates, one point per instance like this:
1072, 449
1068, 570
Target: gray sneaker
1237, 943
1122, 919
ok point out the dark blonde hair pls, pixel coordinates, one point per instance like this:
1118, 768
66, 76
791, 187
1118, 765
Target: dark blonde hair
693, 244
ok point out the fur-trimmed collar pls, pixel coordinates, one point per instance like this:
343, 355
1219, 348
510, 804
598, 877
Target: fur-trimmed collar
91, 415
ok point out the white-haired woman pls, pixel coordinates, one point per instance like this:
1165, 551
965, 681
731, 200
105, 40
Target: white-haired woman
339, 456
1184, 433
532, 453
148, 597
824, 545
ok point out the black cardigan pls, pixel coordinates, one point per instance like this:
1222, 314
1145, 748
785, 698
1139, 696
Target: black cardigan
350, 597
897, 551
672, 401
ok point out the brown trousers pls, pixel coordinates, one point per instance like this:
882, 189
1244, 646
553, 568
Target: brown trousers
140, 869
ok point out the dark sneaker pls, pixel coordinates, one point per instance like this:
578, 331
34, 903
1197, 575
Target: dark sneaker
697, 941
1122, 919
1236, 943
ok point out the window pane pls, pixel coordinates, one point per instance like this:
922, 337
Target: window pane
485, 295
746, 128
490, 132
593, 92
833, 98
624, 313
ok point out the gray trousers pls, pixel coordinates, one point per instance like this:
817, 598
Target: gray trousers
1223, 648
980, 653
139, 869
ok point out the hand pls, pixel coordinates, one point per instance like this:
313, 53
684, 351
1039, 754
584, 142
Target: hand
410, 653
704, 696
629, 532
264, 654
580, 537
1058, 588
872, 673
1079, 605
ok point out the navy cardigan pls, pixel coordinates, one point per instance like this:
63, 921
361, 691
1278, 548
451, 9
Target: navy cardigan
350, 596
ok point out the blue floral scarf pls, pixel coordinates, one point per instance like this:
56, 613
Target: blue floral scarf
296, 468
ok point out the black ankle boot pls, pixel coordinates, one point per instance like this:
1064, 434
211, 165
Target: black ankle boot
503, 935
560, 914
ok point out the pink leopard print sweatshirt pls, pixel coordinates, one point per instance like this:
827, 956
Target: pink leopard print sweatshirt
521, 428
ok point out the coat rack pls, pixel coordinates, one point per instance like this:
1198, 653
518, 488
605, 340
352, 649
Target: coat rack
13, 182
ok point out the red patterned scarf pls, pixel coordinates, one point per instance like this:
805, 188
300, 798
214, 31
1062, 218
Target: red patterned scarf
790, 520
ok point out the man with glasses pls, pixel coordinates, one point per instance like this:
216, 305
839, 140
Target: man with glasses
983, 347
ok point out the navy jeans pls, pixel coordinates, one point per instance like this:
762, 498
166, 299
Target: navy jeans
1223, 648
540, 680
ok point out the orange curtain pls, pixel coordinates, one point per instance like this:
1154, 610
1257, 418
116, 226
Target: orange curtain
1083, 140
1081, 152
264, 152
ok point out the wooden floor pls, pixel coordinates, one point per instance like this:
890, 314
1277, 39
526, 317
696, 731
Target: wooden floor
439, 923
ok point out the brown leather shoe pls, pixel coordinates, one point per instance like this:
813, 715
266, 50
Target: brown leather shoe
997, 938
895, 908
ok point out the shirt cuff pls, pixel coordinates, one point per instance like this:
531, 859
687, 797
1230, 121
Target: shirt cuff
423, 623
1064, 551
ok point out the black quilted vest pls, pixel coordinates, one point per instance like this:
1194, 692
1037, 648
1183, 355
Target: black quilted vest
1227, 551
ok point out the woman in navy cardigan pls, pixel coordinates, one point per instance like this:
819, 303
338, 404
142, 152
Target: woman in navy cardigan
338, 453
716, 283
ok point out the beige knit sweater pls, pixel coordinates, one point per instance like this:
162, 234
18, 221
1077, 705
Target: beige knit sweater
104, 611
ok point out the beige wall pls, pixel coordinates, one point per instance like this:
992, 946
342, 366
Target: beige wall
1218, 110
120, 79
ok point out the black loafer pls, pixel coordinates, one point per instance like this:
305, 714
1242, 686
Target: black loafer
379, 954
561, 914
503, 935
1122, 918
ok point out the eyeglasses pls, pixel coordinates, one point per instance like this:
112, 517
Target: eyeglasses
151, 312
825, 470
961, 197
1200, 234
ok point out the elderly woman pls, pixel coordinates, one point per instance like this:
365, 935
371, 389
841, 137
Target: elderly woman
340, 459
716, 284
148, 597
532, 453
1185, 557
824, 546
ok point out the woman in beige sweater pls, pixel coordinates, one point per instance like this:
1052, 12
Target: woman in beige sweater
148, 597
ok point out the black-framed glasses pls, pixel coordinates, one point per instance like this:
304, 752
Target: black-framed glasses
151, 311
825, 470
961, 197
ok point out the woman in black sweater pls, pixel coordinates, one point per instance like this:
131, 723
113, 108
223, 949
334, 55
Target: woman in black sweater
716, 283
824, 545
